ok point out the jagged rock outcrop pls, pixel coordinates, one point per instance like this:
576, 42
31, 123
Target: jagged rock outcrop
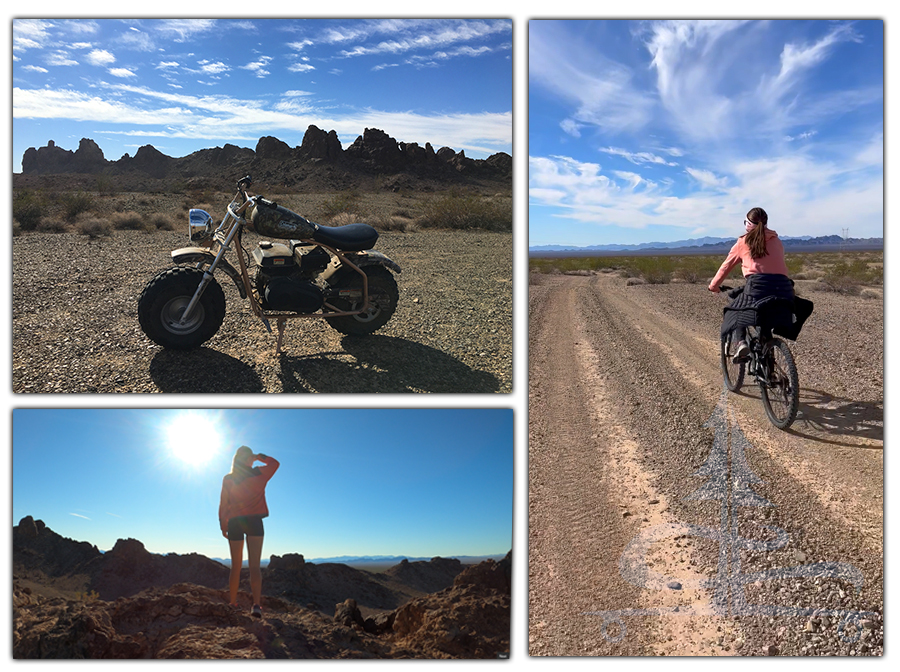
472, 616
376, 148
272, 148
317, 144
88, 158
431, 576
319, 163
37, 547
125, 570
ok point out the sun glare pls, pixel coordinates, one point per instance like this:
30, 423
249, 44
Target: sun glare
193, 438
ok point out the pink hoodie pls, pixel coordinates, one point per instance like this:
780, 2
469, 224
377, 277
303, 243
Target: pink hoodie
247, 498
772, 263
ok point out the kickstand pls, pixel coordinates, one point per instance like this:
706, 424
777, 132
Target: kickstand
280, 325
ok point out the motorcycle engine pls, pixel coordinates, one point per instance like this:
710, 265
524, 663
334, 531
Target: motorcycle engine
282, 282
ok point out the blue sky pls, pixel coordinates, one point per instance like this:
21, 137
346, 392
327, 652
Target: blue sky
416, 482
188, 84
644, 131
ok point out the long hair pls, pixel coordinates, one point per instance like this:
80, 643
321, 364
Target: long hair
239, 470
756, 239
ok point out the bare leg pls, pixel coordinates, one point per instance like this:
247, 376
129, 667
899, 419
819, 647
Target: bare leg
237, 559
254, 553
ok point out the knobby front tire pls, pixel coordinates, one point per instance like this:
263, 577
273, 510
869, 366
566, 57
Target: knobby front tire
733, 373
162, 304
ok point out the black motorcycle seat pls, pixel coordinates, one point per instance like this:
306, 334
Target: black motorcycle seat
350, 237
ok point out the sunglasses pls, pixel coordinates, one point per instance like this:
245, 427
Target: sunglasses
747, 222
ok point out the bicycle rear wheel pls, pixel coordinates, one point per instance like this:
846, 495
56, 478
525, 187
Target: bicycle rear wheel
733, 373
780, 387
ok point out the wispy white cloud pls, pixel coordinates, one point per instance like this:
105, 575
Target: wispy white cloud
601, 90
122, 73
258, 67
100, 57
799, 58
78, 515
181, 30
637, 158
706, 178
60, 58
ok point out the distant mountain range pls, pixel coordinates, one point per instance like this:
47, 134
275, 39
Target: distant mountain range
709, 244
357, 560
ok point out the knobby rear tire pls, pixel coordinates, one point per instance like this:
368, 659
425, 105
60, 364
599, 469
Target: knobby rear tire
383, 298
781, 398
163, 301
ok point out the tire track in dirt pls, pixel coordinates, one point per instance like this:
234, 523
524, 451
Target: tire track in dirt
585, 483
648, 383
845, 480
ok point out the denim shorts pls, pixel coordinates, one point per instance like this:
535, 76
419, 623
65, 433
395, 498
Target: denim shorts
252, 526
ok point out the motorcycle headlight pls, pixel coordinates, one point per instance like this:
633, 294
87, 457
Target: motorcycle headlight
199, 224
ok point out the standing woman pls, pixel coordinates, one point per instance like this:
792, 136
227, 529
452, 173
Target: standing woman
241, 510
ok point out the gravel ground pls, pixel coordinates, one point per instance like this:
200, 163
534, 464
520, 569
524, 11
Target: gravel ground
75, 326
622, 384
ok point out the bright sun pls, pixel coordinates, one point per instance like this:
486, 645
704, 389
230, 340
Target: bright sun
193, 438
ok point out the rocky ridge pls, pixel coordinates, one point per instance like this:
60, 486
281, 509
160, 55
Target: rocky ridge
72, 601
374, 159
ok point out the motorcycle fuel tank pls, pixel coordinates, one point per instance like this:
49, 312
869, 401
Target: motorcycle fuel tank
270, 219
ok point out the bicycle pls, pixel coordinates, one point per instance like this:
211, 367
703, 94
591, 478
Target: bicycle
772, 366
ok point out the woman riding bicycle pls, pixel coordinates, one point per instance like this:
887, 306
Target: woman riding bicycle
761, 255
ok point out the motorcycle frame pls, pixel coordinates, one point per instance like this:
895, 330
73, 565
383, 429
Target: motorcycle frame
224, 240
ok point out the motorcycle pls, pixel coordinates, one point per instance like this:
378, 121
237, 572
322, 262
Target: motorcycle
317, 272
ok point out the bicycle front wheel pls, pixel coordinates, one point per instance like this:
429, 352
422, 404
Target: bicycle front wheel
733, 373
780, 385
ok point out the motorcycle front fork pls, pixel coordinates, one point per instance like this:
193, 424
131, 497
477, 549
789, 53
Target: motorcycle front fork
204, 283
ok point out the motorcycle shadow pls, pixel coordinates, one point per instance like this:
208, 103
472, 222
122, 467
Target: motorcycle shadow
202, 371
383, 364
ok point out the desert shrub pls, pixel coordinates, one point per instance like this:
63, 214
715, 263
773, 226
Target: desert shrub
104, 184
161, 222
870, 294
654, 270
341, 202
53, 225
848, 278
28, 209
390, 223
75, 203
634, 281
458, 211
130, 221
795, 264
94, 228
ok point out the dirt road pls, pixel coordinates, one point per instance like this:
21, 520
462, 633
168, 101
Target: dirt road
624, 394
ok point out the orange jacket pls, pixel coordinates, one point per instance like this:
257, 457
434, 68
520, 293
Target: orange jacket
772, 263
247, 498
